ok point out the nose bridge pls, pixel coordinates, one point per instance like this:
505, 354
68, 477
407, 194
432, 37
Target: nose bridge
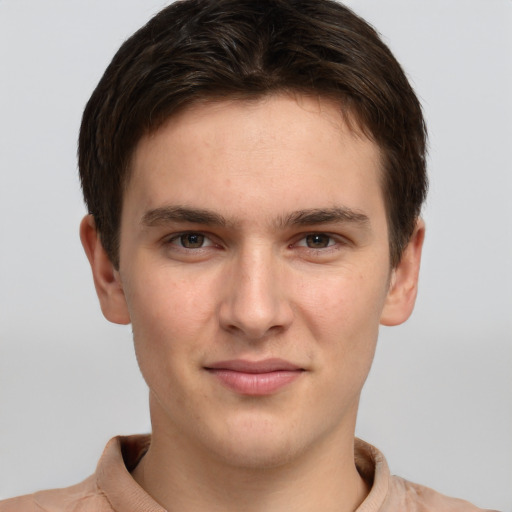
256, 301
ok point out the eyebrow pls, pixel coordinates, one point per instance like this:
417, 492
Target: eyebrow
166, 214
307, 217
340, 214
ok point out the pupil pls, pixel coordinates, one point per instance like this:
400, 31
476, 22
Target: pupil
192, 240
317, 241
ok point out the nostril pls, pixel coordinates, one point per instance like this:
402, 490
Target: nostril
254, 332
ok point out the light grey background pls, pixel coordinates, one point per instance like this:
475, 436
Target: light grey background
439, 399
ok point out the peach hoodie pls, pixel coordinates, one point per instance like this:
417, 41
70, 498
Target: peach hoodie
112, 488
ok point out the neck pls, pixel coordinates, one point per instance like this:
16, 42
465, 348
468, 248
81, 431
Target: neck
181, 477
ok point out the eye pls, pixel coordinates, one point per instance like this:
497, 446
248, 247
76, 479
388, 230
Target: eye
316, 241
191, 241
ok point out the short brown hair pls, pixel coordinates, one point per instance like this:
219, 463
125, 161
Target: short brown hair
199, 49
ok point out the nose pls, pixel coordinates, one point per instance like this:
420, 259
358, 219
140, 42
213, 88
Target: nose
255, 295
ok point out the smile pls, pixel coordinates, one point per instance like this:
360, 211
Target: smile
255, 378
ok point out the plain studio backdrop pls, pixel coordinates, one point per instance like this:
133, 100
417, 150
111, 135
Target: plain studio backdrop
438, 401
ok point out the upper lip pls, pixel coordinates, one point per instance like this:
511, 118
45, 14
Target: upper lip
263, 366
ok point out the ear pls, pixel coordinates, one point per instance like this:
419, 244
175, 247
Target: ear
403, 286
106, 278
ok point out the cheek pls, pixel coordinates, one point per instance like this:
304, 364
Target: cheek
345, 305
168, 307
343, 316
169, 318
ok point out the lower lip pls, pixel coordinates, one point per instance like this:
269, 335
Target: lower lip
256, 384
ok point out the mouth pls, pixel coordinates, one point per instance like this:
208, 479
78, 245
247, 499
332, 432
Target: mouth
255, 378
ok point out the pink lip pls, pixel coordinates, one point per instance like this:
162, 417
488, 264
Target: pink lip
255, 378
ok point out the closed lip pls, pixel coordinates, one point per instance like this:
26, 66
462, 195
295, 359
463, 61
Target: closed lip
255, 378
262, 366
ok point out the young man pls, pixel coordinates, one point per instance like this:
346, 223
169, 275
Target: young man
254, 173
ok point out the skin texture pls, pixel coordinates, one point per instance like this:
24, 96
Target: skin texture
264, 275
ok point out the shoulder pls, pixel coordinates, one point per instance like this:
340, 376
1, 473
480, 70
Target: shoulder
405, 495
83, 497
111, 483
394, 494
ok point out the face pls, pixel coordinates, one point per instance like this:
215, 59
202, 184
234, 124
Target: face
254, 268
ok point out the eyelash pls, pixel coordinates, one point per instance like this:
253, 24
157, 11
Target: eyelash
180, 236
330, 242
333, 242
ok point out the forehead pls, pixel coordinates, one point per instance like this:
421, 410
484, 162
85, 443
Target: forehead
290, 149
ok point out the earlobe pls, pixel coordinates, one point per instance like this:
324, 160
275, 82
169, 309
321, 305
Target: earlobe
106, 278
403, 286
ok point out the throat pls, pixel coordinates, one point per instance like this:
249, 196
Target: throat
195, 487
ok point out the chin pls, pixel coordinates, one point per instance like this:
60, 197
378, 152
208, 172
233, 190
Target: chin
258, 446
